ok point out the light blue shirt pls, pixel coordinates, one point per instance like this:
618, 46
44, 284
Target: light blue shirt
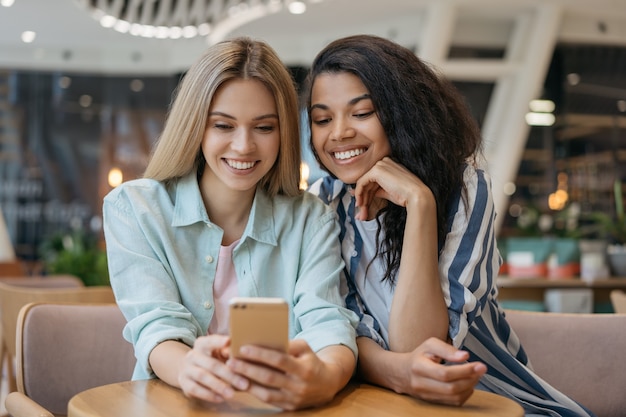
162, 251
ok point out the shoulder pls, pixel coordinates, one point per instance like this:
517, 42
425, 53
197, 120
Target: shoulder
139, 187
139, 192
475, 199
476, 178
327, 189
305, 204
477, 187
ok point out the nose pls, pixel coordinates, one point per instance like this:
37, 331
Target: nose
243, 141
341, 129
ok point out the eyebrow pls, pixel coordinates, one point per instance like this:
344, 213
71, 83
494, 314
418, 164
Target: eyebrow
228, 116
351, 102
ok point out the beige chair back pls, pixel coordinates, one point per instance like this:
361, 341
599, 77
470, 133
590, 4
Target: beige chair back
618, 300
14, 293
579, 354
13, 297
44, 281
64, 349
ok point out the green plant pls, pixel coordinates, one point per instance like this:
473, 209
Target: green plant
563, 223
78, 254
613, 227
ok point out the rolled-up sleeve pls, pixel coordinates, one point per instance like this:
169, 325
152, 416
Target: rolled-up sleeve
319, 309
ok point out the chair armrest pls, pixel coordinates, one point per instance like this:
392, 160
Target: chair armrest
19, 405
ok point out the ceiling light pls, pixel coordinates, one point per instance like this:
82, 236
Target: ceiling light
7, 3
209, 18
297, 7
108, 21
540, 119
541, 106
176, 32
28, 36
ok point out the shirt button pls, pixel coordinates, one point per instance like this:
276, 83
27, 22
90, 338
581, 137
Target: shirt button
209, 258
354, 254
207, 305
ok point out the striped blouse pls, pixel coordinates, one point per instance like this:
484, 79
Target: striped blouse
468, 265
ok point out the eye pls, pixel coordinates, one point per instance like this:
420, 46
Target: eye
322, 121
222, 126
266, 128
364, 115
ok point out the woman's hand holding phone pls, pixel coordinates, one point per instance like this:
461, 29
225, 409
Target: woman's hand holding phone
295, 379
286, 374
204, 374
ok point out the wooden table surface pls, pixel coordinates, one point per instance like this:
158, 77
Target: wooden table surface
154, 398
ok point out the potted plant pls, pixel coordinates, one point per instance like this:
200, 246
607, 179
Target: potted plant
75, 253
613, 228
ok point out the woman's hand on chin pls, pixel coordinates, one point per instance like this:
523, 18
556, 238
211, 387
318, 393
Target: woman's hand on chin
393, 182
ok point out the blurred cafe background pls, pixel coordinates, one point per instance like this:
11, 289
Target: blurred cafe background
85, 86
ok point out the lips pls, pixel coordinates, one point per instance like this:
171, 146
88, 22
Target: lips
242, 165
349, 154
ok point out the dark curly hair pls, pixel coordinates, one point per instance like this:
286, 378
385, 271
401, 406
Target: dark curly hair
430, 129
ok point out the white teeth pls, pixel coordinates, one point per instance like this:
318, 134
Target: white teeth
349, 154
239, 164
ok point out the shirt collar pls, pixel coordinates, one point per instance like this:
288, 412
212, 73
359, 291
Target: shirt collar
261, 222
189, 209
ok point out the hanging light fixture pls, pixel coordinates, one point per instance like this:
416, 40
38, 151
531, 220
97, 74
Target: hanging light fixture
176, 19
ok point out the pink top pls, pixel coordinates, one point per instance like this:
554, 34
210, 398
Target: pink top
224, 288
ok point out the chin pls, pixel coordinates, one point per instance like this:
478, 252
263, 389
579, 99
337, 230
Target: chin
350, 180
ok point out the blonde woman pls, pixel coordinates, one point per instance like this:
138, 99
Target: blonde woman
219, 214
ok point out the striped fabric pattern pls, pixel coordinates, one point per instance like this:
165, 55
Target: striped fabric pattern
469, 262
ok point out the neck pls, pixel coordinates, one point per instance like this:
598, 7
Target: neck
227, 208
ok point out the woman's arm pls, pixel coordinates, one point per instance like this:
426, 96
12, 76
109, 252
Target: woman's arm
166, 360
418, 294
418, 291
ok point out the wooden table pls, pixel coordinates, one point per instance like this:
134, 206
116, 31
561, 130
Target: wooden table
154, 398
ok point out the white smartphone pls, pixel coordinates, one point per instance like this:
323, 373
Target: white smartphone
261, 321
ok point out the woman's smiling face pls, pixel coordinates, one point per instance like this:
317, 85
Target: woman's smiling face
242, 137
346, 132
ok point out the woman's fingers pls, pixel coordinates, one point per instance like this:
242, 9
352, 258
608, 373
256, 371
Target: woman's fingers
205, 375
266, 367
391, 181
452, 382
287, 380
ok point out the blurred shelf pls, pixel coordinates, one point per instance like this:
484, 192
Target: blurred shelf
576, 282
533, 289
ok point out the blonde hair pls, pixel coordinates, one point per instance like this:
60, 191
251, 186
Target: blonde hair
178, 151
